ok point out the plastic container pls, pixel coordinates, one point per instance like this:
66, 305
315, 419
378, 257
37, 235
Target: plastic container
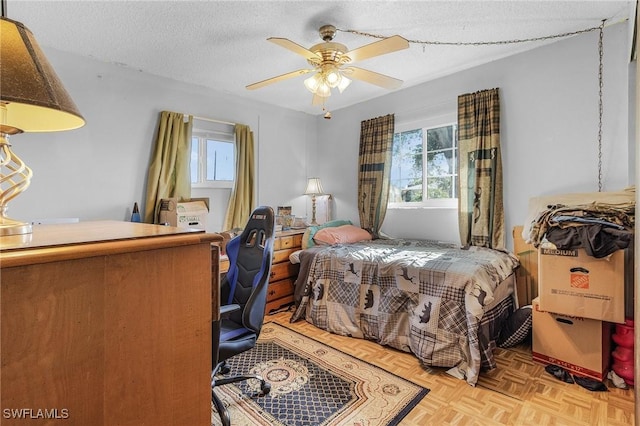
135, 216
623, 354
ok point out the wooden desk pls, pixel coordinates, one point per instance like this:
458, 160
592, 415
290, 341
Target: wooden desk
106, 323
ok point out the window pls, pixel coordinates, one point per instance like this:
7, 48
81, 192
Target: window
421, 180
212, 157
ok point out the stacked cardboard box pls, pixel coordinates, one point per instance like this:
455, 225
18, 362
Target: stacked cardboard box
580, 345
573, 283
576, 298
579, 298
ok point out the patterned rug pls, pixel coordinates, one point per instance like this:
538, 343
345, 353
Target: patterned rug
313, 384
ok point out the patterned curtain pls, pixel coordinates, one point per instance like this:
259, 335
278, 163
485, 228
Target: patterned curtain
169, 174
376, 140
481, 214
241, 202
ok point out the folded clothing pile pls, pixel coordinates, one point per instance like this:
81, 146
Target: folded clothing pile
600, 226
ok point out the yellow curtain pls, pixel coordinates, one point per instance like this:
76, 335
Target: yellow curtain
169, 173
241, 202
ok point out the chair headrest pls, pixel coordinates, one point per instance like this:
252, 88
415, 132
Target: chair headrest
261, 219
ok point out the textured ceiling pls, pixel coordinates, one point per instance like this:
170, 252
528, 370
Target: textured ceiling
222, 44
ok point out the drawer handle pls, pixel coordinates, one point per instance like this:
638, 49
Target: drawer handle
272, 274
271, 293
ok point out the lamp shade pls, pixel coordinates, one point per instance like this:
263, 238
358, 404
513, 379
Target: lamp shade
33, 95
314, 187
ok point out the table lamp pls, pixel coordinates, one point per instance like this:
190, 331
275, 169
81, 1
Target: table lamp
314, 187
32, 99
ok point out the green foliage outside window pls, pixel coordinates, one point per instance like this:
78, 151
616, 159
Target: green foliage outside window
409, 169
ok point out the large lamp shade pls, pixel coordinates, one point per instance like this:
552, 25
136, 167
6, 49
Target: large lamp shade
32, 99
314, 187
33, 95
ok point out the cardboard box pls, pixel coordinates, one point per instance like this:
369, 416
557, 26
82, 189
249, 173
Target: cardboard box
184, 214
580, 345
527, 272
573, 283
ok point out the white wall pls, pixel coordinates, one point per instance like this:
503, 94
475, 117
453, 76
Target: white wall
549, 125
99, 171
549, 117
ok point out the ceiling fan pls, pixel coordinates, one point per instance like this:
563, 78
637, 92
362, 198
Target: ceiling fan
331, 63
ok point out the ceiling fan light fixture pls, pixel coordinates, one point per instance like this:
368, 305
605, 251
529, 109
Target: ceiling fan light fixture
328, 62
312, 83
323, 90
344, 83
333, 78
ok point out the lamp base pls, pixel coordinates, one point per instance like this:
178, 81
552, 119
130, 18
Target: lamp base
13, 227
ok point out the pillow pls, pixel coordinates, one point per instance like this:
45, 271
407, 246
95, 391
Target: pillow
307, 237
295, 257
341, 234
516, 328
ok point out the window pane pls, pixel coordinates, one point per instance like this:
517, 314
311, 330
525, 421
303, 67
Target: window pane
440, 187
411, 194
406, 167
194, 160
439, 138
440, 163
220, 162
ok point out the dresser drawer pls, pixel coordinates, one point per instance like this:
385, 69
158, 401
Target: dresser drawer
297, 240
287, 241
281, 243
280, 289
283, 255
283, 270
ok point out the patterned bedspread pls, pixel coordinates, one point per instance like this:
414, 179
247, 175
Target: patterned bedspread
418, 296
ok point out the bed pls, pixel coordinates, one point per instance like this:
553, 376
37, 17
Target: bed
444, 304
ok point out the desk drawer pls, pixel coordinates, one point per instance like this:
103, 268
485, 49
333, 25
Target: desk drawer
224, 264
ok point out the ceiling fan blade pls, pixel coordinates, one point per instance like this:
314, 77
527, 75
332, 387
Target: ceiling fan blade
378, 79
386, 45
295, 48
278, 78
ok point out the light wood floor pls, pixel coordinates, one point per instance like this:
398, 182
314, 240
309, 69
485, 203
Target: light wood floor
540, 398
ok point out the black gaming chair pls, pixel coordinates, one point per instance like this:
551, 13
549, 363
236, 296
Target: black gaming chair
243, 295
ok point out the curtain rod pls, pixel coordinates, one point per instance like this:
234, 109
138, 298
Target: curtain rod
195, 117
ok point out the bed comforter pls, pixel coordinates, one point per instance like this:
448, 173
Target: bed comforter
424, 297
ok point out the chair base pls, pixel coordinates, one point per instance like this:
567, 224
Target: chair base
222, 368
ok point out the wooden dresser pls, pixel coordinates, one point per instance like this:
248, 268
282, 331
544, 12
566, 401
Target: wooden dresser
283, 272
106, 323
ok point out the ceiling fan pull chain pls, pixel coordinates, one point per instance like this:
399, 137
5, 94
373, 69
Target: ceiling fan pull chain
600, 105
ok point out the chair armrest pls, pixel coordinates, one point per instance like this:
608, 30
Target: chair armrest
226, 310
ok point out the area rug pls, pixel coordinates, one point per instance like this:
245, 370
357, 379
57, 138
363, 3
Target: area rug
313, 384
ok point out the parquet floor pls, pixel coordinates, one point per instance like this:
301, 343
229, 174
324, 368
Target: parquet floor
518, 392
